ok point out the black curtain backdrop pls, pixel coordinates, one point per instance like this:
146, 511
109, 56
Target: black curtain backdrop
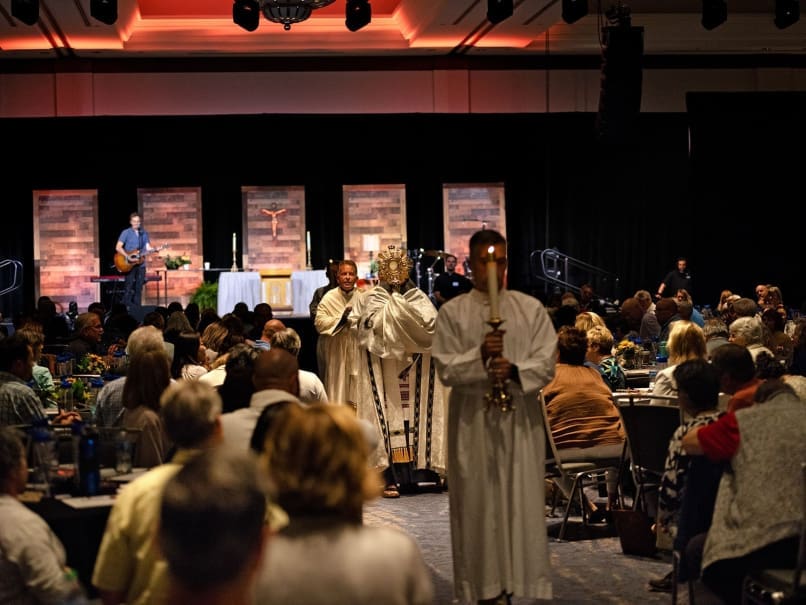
629, 209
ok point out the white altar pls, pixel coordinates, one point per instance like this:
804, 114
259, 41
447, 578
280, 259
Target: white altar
303, 285
235, 287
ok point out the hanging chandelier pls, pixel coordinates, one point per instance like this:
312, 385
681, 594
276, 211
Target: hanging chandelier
246, 13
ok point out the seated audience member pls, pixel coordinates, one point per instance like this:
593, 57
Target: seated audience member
737, 375
759, 506
18, 402
749, 332
325, 554
238, 386
698, 394
798, 365
722, 306
585, 320
223, 493
775, 338
666, 314
129, 567
109, 403
743, 307
33, 566
260, 315
155, 318
87, 336
276, 380
42, 380
582, 417
189, 358
716, 334
686, 308
650, 328
600, 354
686, 341
311, 389
149, 376
271, 327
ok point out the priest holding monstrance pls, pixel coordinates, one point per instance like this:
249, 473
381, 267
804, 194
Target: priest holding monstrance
398, 391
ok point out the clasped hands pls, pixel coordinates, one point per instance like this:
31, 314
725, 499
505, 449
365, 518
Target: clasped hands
492, 349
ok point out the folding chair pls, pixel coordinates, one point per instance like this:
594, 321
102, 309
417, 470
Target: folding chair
648, 428
581, 473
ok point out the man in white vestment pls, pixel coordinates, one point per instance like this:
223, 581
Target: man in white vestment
496, 458
340, 345
397, 387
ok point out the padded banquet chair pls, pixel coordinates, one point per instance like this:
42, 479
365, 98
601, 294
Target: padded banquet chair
580, 473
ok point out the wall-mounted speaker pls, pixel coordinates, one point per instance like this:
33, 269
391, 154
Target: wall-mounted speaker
621, 80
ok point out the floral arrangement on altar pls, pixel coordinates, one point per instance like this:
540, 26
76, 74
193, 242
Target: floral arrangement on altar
176, 262
90, 364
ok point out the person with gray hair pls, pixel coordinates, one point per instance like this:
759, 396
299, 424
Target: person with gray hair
311, 388
224, 493
129, 567
33, 566
716, 334
109, 403
749, 332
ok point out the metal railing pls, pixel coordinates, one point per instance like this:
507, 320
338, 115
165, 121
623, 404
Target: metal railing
565, 273
10, 276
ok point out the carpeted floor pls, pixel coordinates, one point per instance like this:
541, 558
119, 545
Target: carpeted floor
587, 567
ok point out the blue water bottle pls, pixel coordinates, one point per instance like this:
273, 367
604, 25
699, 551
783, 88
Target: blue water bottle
89, 462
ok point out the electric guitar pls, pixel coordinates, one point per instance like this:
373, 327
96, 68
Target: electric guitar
125, 262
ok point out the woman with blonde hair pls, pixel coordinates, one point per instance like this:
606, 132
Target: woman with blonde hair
587, 319
686, 341
317, 459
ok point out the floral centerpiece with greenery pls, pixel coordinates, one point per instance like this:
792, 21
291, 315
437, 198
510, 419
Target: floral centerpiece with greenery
90, 364
627, 353
175, 262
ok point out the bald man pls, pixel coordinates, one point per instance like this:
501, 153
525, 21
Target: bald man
271, 327
276, 380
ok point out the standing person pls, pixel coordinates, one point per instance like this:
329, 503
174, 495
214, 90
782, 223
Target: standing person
678, 278
496, 458
397, 390
132, 245
449, 284
340, 343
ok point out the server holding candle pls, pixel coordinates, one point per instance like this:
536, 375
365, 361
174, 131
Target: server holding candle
495, 459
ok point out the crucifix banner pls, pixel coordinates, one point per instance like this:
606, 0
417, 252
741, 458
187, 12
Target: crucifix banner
273, 228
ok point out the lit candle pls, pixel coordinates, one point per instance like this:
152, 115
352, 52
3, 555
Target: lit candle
307, 240
234, 243
492, 283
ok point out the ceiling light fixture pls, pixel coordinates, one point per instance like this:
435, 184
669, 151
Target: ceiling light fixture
787, 12
285, 12
358, 14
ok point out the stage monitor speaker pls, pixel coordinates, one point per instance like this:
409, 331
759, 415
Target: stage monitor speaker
621, 79
140, 312
26, 11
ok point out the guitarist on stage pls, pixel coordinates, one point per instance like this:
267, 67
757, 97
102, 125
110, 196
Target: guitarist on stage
134, 244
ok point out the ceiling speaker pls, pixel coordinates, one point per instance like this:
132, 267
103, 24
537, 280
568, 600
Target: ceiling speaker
105, 11
246, 13
26, 11
358, 14
498, 10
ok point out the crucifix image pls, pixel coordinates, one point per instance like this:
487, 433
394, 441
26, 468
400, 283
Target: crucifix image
273, 213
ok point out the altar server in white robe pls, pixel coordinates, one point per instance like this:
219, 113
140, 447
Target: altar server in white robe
397, 381
341, 346
496, 458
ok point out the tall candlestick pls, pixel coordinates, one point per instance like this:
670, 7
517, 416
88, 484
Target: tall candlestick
234, 243
492, 283
307, 240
